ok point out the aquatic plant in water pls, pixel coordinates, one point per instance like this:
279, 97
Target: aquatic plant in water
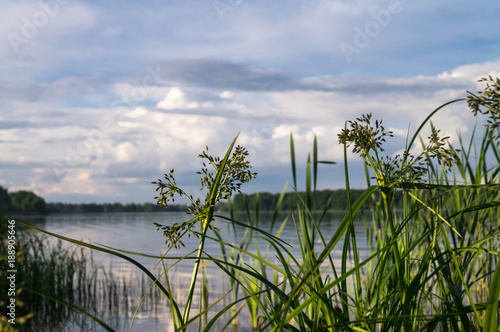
233, 173
487, 102
367, 140
225, 177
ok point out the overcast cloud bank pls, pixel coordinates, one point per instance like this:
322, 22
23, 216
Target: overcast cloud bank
103, 98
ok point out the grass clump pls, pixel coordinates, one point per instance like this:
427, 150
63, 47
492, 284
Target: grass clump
62, 288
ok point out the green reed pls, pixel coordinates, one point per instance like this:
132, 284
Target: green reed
52, 277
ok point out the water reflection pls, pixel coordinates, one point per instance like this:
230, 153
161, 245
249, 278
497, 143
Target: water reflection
135, 232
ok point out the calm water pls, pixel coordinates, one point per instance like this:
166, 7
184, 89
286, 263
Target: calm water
136, 232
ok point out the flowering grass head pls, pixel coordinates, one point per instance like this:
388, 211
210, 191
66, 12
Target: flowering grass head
233, 172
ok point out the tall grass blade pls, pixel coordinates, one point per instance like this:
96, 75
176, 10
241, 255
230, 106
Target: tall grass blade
491, 319
422, 125
213, 198
292, 158
309, 183
315, 161
277, 208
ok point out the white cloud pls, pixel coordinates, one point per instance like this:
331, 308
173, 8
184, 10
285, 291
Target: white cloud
176, 99
474, 71
76, 182
226, 95
127, 152
138, 112
284, 131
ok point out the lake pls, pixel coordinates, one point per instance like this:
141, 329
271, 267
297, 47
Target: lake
135, 232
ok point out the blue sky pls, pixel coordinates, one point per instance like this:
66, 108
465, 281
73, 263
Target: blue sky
98, 99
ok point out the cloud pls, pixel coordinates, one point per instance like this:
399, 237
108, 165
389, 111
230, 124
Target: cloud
228, 75
176, 99
223, 74
33, 26
14, 124
226, 95
373, 86
144, 142
138, 112
19, 92
473, 71
154, 84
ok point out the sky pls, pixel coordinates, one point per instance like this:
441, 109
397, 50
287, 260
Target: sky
99, 98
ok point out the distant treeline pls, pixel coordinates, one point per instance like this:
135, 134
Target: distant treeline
21, 202
332, 199
26, 202
110, 208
